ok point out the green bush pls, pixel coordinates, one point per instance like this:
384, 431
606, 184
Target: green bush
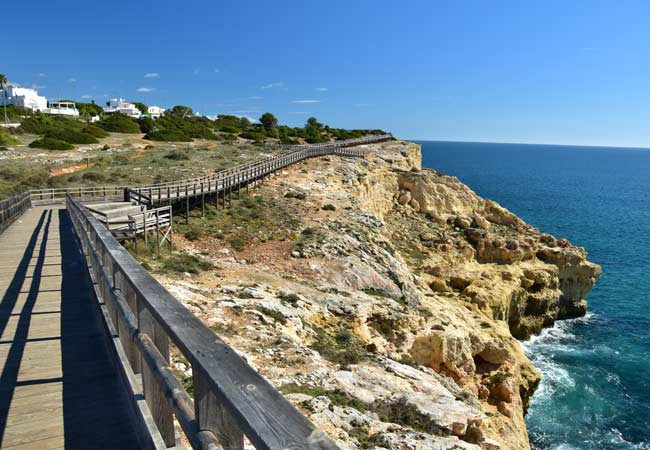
94, 176
237, 243
253, 135
94, 130
227, 129
6, 138
119, 123
184, 262
168, 135
51, 144
229, 137
147, 125
16, 113
297, 195
193, 127
88, 109
177, 155
339, 346
71, 136
42, 123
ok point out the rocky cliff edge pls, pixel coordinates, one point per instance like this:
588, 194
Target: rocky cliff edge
386, 301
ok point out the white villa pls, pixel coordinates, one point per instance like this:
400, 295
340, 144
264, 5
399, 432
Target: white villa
62, 108
155, 111
119, 105
23, 97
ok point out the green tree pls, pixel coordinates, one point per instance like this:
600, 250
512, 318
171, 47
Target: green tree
180, 110
3, 84
147, 125
268, 121
312, 122
142, 107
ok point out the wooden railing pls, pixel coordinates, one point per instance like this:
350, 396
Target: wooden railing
58, 195
233, 178
157, 192
231, 400
12, 208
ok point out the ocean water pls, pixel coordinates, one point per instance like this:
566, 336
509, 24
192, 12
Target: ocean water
595, 392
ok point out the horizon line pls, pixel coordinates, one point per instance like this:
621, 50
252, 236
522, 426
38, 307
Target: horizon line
533, 143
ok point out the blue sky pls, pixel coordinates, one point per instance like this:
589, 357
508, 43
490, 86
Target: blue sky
569, 72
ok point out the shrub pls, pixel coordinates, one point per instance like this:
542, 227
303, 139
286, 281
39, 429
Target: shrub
237, 243
229, 137
6, 138
289, 141
94, 130
51, 144
253, 135
339, 346
119, 123
228, 129
120, 160
88, 109
184, 262
147, 125
168, 135
177, 155
93, 176
38, 124
194, 233
296, 195
71, 136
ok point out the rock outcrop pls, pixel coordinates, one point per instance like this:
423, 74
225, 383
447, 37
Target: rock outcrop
391, 317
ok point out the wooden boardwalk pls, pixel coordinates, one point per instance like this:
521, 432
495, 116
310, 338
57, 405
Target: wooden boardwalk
58, 388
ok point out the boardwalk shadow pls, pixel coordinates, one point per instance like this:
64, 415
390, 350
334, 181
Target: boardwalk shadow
94, 410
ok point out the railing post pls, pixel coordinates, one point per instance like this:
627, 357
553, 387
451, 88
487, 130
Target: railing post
211, 414
130, 348
202, 201
153, 392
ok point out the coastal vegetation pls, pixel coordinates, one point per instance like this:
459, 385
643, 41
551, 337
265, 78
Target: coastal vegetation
50, 143
119, 149
6, 138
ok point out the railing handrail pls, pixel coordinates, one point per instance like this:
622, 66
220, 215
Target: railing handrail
224, 383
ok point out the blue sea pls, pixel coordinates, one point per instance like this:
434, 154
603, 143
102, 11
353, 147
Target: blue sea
595, 392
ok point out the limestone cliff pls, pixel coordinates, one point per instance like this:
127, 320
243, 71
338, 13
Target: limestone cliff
387, 300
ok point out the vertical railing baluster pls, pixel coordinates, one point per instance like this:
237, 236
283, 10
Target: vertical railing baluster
211, 414
153, 393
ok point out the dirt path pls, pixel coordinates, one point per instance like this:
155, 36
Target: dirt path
70, 169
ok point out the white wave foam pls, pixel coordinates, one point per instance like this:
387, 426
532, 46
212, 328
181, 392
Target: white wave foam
560, 332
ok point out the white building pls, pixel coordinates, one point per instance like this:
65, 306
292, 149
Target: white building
62, 108
23, 98
155, 111
118, 105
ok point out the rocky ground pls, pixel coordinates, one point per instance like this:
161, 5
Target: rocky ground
384, 300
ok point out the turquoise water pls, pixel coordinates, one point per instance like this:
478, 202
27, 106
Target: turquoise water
595, 393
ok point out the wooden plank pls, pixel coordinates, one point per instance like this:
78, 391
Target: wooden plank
56, 372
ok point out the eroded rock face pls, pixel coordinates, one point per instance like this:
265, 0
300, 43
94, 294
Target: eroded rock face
391, 322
